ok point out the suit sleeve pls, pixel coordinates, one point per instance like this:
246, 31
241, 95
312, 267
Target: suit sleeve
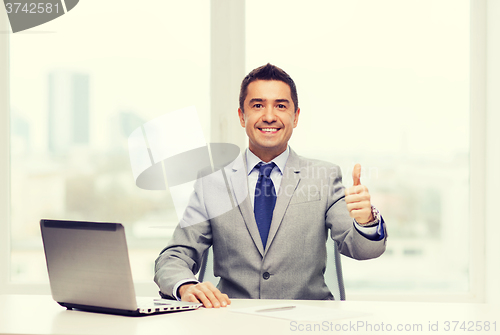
181, 258
350, 241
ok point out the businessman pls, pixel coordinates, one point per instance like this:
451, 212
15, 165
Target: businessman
271, 243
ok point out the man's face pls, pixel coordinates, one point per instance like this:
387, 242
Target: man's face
269, 117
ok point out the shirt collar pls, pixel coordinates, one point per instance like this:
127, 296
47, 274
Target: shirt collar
280, 160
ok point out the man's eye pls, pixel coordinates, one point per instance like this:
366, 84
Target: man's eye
281, 106
257, 106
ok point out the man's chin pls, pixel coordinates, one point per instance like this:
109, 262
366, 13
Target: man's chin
268, 149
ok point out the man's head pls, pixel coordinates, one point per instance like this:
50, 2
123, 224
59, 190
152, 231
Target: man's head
268, 111
268, 72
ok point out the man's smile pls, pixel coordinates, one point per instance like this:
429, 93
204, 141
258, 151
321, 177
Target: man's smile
269, 130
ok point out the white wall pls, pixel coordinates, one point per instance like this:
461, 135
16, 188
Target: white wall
4, 140
492, 213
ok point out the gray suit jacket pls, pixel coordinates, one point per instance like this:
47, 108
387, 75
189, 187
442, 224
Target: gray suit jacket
310, 203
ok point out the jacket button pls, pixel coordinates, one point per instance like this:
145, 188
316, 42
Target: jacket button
266, 275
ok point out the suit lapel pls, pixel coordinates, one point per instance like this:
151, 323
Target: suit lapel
239, 183
289, 183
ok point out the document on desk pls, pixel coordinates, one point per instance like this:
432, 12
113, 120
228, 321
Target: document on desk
299, 312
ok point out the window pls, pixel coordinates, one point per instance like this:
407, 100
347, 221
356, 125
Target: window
397, 71
384, 84
79, 86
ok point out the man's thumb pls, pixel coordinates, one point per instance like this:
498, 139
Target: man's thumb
356, 174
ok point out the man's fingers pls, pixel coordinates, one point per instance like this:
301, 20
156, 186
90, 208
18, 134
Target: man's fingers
360, 205
356, 175
228, 301
218, 298
211, 299
208, 295
357, 197
203, 299
356, 190
223, 298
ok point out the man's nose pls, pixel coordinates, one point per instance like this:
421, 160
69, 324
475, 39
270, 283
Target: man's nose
269, 115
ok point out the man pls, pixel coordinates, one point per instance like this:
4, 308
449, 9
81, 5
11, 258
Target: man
271, 244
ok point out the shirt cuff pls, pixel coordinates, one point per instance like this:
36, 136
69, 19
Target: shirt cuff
179, 284
372, 230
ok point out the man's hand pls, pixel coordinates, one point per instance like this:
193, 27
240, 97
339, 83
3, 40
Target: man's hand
357, 199
206, 293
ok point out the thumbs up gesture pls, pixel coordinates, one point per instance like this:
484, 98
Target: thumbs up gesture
357, 199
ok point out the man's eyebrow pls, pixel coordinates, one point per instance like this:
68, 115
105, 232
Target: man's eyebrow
256, 100
262, 100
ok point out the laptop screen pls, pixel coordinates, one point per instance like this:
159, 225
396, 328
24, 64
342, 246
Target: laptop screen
88, 263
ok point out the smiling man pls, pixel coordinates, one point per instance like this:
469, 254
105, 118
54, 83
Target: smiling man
271, 245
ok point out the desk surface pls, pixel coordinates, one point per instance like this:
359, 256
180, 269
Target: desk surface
22, 314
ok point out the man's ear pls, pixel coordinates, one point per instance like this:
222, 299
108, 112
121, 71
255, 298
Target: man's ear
242, 117
296, 118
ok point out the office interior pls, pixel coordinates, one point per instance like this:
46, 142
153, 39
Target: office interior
407, 89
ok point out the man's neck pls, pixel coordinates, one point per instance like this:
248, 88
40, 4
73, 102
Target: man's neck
266, 157
252, 160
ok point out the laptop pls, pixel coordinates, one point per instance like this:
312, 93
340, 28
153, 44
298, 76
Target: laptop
89, 269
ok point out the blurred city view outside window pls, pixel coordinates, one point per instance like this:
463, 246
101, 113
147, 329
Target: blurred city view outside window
79, 86
382, 83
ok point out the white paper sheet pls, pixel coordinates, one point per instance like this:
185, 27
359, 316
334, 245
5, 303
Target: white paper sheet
298, 312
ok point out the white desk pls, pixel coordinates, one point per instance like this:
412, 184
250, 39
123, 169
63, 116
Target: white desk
22, 314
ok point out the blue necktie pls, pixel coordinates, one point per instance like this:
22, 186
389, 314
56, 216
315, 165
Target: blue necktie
264, 201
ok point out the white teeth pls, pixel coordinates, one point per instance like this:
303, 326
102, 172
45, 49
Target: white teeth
269, 129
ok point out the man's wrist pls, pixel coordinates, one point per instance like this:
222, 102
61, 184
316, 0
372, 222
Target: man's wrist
183, 288
176, 292
375, 219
